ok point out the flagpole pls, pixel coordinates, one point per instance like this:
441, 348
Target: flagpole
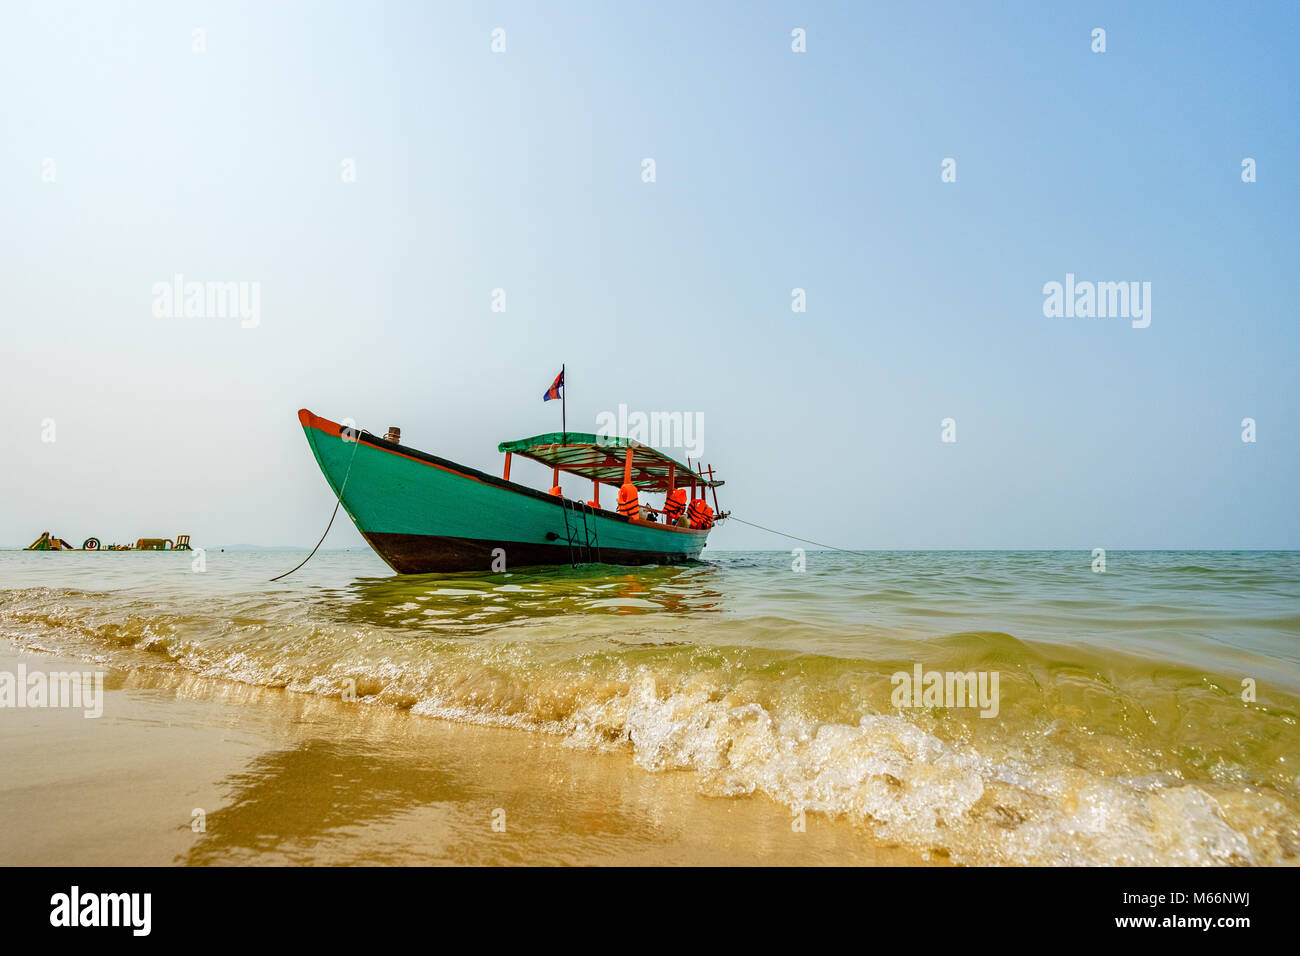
564, 410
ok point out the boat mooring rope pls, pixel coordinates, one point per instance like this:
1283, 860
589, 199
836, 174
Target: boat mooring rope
795, 537
355, 442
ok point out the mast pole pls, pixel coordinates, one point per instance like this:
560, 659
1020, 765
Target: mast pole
564, 410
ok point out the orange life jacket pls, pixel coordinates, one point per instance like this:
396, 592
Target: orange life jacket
629, 505
675, 505
696, 513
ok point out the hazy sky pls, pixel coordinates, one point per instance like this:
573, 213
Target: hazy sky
128, 156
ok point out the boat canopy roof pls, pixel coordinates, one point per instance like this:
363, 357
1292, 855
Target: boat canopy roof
601, 458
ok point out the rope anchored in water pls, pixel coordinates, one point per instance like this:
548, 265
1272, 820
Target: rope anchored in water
795, 537
356, 440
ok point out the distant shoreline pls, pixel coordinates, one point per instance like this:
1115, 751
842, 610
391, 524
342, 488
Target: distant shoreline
304, 547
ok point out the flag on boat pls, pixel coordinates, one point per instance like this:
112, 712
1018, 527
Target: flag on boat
554, 390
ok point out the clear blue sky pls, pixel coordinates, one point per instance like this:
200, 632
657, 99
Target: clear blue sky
775, 170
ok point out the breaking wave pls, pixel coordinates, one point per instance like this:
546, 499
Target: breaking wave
1092, 759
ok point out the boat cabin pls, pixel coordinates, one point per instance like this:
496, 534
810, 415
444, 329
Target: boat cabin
628, 465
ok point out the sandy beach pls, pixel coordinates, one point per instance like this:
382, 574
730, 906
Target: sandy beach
286, 778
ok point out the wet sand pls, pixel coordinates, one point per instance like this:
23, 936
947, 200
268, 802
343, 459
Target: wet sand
287, 778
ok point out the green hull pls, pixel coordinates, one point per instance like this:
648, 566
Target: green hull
422, 513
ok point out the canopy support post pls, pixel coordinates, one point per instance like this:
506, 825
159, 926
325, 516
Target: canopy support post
506, 476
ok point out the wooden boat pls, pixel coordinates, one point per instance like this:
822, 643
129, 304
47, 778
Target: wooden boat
423, 513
